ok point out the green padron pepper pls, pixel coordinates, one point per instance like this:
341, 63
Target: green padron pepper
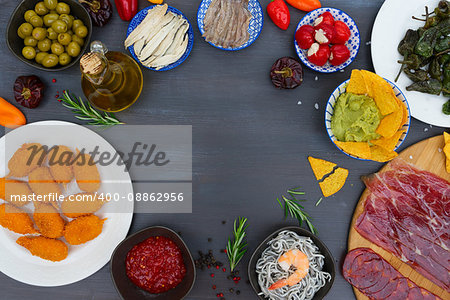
446, 107
416, 75
434, 69
442, 44
443, 9
444, 58
412, 61
406, 45
432, 86
425, 45
446, 80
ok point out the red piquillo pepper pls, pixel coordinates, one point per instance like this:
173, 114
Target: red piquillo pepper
127, 9
279, 13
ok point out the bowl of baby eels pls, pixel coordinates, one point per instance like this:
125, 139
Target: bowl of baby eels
291, 263
49, 35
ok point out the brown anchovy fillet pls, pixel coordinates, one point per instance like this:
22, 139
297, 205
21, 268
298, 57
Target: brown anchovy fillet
226, 23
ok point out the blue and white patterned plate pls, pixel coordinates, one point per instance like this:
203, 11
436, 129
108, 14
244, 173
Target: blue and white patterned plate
329, 110
254, 28
352, 44
138, 19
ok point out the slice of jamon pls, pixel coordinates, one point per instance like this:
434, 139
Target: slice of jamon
377, 279
407, 214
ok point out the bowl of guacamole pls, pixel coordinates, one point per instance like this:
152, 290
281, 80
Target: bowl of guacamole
355, 118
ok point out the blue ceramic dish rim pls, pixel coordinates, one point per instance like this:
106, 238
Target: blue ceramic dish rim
238, 48
318, 69
188, 49
408, 124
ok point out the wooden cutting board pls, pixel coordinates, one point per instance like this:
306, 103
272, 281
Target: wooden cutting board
426, 155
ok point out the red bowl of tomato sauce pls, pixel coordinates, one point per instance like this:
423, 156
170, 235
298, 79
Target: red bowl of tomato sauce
153, 263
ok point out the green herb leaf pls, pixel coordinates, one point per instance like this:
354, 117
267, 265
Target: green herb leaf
84, 111
235, 249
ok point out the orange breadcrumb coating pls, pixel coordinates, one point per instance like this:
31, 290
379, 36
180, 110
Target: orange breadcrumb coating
86, 175
48, 221
18, 164
83, 229
10, 187
72, 208
16, 220
45, 248
61, 172
41, 183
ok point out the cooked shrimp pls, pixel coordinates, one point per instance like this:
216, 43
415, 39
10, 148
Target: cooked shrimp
299, 261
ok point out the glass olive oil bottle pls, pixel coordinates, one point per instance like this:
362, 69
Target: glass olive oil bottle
111, 81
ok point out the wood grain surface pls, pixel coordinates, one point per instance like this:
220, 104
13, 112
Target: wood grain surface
250, 144
426, 156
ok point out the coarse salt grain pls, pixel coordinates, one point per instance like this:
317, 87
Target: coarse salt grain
316, 105
299, 102
368, 43
316, 78
342, 70
410, 157
425, 129
439, 150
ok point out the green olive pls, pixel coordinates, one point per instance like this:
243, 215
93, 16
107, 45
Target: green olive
44, 45
39, 33
28, 14
30, 41
57, 48
50, 18
40, 8
51, 34
59, 26
50, 60
81, 31
40, 56
25, 29
64, 59
64, 39
70, 32
28, 52
73, 49
76, 24
50, 4
36, 21
62, 8
77, 40
67, 19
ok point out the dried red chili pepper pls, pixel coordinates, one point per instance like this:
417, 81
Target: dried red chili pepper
99, 10
28, 91
127, 9
279, 13
286, 73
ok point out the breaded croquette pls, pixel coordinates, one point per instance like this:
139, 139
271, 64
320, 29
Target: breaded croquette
14, 191
41, 183
59, 161
25, 160
81, 204
86, 173
16, 220
48, 221
83, 229
45, 248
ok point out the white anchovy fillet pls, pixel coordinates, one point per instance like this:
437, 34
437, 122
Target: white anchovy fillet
153, 17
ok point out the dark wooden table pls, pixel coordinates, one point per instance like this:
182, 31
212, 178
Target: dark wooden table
250, 143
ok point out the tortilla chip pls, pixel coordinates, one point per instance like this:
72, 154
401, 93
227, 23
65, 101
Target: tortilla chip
356, 85
333, 183
447, 154
359, 149
405, 112
320, 167
389, 143
446, 137
382, 155
390, 123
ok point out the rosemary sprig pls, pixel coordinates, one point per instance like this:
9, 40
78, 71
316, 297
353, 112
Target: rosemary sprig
235, 249
84, 111
318, 201
293, 208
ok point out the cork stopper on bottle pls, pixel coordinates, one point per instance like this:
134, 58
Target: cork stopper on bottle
92, 63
